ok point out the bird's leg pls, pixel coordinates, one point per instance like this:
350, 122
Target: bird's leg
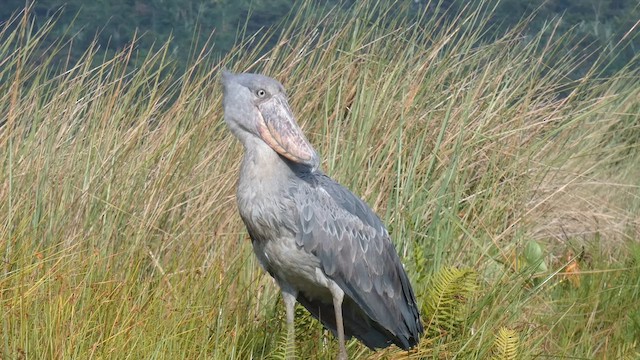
338, 296
289, 305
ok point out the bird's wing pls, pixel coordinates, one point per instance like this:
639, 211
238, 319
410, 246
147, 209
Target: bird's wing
355, 251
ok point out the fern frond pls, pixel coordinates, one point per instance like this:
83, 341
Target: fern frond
506, 344
284, 350
445, 305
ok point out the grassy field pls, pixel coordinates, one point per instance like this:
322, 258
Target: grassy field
512, 192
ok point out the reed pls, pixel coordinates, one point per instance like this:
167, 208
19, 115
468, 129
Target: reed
120, 237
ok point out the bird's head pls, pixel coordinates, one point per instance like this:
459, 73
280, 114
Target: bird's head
256, 106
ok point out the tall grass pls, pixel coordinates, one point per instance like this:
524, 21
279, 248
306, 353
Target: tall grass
120, 237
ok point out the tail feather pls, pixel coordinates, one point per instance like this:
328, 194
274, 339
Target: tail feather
356, 324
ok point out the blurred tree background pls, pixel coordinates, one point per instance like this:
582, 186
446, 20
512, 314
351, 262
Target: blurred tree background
601, 28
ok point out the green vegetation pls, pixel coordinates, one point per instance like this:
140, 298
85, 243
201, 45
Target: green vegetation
602, 28
511, 191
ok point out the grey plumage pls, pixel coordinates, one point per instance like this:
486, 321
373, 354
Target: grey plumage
323, 245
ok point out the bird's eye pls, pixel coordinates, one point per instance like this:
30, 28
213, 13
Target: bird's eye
261, 93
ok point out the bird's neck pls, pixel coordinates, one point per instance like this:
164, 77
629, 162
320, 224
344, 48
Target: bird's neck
263, 173
262, 163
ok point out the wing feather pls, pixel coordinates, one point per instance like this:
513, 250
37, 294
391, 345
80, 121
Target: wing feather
355, 251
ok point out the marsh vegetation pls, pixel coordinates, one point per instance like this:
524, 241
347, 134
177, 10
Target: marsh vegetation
511, 191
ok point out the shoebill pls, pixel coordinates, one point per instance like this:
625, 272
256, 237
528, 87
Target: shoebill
322, 244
